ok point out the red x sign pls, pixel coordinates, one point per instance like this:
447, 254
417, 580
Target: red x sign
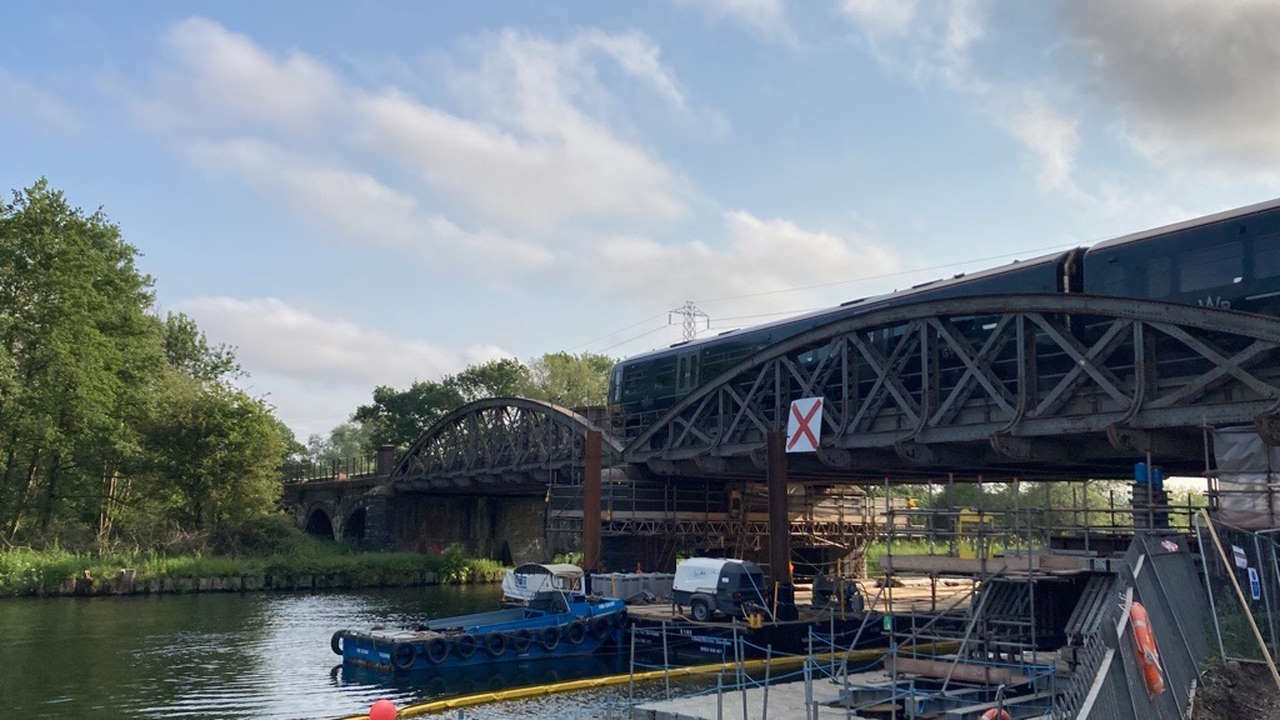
804, 426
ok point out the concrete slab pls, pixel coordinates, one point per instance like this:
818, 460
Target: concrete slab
786, 702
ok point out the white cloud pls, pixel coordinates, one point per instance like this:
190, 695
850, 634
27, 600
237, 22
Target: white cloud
1053, 139
880, 16
22, 100
538, 151
1194, 82
764, 18
213, 77
358, 206
298, 355
759, 255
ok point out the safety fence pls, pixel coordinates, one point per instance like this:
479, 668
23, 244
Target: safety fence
1248, 568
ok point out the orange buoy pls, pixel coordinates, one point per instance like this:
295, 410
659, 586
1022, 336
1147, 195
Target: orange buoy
1148, 655
996, 714
383, 710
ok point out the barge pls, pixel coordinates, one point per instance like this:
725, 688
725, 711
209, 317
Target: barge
552, 625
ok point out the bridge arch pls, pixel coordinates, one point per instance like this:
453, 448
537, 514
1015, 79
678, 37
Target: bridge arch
355, 525
1065, 381
319, 522
498, 443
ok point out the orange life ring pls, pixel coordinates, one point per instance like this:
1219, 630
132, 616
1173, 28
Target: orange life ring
996, 714
1148, 655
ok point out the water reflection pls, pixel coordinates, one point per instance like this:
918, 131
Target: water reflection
262, 656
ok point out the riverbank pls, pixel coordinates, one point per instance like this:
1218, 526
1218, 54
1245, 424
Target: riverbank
310, 566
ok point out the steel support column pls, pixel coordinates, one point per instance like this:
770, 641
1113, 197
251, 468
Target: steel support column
591, 494
779, 524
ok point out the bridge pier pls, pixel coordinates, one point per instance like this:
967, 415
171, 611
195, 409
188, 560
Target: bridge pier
779, 525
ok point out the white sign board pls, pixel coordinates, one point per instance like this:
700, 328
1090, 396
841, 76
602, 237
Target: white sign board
804, 425
1255, 584
1242, 560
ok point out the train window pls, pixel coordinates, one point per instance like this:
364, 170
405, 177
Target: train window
1266, 256
617, 383
1209, 267
1159, 277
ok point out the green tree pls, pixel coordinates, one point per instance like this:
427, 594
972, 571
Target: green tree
572, 380
398, 417
110, 417
76, 339
214, 450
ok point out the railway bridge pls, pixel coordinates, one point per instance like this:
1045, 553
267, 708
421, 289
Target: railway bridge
1039, 387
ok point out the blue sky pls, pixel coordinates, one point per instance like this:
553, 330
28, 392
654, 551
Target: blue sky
363, 194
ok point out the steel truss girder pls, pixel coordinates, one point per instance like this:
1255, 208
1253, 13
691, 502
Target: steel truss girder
1015, 378
497, 441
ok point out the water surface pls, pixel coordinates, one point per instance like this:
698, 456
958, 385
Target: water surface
256, 655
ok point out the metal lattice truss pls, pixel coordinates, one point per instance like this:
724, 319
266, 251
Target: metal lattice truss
718, 532
1036, 381
497, 445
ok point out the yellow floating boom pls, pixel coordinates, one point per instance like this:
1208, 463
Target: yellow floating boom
463, 701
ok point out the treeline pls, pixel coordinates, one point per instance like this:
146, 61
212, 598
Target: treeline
122, 428
398, 417
115, 423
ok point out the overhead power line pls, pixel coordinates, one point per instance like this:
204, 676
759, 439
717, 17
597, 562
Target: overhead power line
882, 276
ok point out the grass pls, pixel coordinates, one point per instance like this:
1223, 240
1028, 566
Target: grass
965, 548
25, 571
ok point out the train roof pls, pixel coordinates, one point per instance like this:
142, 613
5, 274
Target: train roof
868, 301
1187, 224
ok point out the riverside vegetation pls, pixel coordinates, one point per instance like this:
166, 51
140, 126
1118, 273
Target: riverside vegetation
127, 440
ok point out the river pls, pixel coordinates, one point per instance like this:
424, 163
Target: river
264, 656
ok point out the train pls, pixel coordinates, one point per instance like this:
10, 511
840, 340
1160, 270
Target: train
1228, 260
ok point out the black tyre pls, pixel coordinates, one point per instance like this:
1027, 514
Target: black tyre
549, 638
437, 650
576, 632
495, 644
466, 646
402, 656
335, 642
701, 609
521, 640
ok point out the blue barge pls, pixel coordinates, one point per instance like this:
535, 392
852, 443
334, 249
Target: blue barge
552, 625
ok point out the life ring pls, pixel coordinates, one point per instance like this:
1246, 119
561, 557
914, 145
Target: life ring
335, 642
549, 638
521, 640
402, 656
600, 626
996, 714
576, 632
1148, 654
466, 646
437, 650
495, 644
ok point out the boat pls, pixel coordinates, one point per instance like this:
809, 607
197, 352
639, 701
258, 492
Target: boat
521, 584
554, 624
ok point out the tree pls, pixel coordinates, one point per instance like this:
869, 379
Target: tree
214, 450
572, 380
398, 417
108, 413
187, 350
506, 377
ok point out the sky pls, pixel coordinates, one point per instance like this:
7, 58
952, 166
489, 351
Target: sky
362, 194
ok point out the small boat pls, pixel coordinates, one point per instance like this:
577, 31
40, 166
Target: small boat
553, 624
521, 584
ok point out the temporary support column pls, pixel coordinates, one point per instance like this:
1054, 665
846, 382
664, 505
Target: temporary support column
779, 524
591, 495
